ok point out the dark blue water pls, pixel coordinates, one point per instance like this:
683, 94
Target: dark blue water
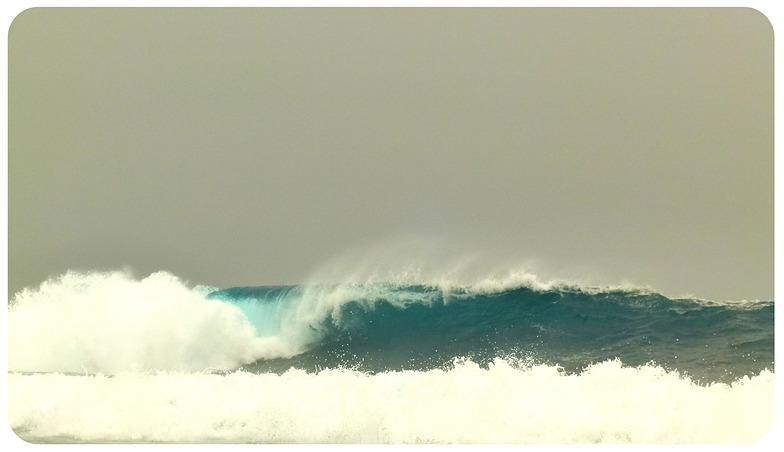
387, 327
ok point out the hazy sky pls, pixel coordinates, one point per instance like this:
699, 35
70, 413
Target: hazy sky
252, 146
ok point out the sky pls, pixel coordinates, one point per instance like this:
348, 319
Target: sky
261, 146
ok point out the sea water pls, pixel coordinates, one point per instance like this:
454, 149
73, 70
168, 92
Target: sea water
106, 357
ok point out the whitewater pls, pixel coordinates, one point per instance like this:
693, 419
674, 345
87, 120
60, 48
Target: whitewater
108, 357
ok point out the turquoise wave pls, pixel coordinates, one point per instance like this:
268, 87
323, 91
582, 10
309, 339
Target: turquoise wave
383, 327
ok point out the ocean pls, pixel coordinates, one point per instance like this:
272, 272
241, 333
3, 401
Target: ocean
106, 357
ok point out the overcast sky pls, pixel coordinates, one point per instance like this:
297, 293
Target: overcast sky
254, 146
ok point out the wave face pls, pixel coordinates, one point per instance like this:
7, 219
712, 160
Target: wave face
381, 327
510, 360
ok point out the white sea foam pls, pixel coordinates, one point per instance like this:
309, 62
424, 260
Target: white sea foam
111, 322
608, 403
